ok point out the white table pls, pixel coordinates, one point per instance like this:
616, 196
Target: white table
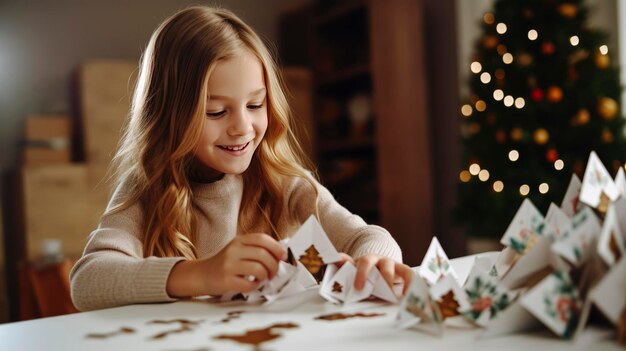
70, 332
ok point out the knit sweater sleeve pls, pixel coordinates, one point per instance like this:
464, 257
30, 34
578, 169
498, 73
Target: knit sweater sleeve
348, 232
112, 270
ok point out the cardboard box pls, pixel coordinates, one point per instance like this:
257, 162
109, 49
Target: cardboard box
45, 127
105, 90
60, 202
37, 156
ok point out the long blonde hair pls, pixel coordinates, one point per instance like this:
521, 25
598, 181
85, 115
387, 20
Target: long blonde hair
168, 108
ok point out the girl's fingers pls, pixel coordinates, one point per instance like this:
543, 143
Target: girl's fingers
242, 284
387, 270
363, 267
262, 256
343, 259
255, 269
406, 273
266, 242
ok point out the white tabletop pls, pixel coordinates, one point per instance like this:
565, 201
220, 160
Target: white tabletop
378, 333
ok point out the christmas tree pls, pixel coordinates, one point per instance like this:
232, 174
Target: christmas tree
544, 94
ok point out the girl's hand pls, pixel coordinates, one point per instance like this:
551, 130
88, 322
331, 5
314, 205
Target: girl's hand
391, 271
231, 270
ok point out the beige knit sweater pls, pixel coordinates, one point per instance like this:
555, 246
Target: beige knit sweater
113, 270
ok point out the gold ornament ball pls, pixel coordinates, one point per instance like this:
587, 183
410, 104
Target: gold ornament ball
568, 10
474, 128
500, 136
490, 41
524, 59
581, 118
607, 108
607, 136
602, 61
555, 94
517, 134
541, 136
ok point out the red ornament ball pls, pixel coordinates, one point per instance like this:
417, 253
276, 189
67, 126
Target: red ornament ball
537, 94
547, 48
552, 155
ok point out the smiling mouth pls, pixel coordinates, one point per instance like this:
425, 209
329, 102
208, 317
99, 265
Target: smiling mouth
234, 147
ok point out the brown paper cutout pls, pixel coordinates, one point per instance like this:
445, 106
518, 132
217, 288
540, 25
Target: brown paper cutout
256, 337
342, 316
338, 288
231, 315
448, 305
603, 206
122, 330
312, 260
185, 326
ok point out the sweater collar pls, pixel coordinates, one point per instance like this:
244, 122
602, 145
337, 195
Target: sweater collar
224, 187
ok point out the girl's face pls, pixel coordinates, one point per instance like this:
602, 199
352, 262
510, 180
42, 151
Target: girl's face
236, 116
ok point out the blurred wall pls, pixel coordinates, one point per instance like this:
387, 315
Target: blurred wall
41, 42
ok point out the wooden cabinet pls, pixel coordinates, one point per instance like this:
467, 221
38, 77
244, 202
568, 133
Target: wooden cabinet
371, 131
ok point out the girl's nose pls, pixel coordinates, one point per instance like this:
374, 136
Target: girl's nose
241, 123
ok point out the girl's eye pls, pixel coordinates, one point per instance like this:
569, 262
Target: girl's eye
215, 114
255, 107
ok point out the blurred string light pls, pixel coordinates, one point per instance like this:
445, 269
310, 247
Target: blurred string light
507, 58
508, 101
466, 110
513, 155
476, 67
474, 168
498, 94
574, 40
532, 34
485, 77
524, 190
559, 164
543, 188
498, 186
520, 103
501, 28
604, 49
483, 175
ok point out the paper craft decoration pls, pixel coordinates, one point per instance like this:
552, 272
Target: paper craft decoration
537, 262
620, 181
486, 297
598, 188
571, 202
309, 252
435, 265
557, 223
338, 285
585, 227
311, 247
555, 302
611, 241
608, 295
524, 230
418, 310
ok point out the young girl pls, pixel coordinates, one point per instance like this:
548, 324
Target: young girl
210, 176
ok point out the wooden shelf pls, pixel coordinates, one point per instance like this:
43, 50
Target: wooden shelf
326, 146
339, 12
343, 74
